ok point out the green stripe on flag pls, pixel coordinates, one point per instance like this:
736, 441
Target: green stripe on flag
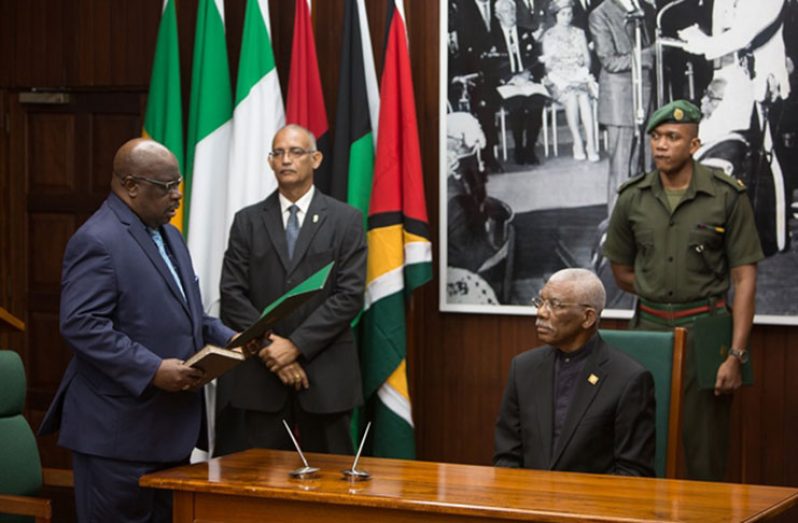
392, 435
383, 341
211, 102
256, 60
417, 275
361, 171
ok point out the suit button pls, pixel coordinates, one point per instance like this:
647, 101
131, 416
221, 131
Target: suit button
670, 258
290, 282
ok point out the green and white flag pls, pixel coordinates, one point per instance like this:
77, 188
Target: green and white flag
259, 113
208, 142
163, 119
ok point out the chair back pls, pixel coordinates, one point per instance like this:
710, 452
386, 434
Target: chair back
662, 353
20, 466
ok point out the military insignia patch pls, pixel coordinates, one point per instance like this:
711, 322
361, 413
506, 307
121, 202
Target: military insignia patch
678, 114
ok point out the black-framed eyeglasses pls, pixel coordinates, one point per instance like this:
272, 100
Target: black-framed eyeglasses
166, 187
293, 152
556, 305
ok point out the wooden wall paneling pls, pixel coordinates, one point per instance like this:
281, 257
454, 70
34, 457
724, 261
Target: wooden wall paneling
771, 413
6, 42
790, 412
328, 31
52, 16
38, 43
16, 277
11, 214
234, 27
21, 33
99, 43
282, 16
85, 55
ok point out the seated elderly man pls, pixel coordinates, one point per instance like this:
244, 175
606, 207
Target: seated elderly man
576, 404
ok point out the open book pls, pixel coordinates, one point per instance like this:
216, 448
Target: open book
522, 89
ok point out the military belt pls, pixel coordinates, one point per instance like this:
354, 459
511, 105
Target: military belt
679, 313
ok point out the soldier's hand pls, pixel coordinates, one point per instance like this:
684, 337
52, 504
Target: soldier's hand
173, 376
729, 376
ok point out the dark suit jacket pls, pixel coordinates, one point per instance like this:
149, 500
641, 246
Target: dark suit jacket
256, 271
473, 37
530, 51
609, 428
533, 20
122, 313
614, 41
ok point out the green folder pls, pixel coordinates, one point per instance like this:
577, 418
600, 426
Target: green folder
284, 305
711, 342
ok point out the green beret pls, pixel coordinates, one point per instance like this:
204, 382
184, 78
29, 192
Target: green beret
678, 111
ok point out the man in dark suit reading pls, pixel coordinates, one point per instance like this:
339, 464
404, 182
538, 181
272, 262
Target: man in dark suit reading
576, 404
131, 311
309, 373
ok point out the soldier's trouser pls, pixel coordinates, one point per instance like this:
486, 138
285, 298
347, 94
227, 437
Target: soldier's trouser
705, 417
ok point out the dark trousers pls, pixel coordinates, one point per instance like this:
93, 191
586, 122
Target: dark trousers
108, 490
238, 429
526, 119
705, 417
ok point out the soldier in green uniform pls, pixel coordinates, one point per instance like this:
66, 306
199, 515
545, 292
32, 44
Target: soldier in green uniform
678, 238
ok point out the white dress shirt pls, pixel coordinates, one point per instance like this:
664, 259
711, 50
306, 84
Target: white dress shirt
303, 203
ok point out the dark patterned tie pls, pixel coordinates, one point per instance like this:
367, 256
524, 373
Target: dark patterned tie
292, 229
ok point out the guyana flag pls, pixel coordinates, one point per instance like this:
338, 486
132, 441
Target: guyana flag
163, 119
305, 100
399, 250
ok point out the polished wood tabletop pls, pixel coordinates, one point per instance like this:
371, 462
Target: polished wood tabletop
461, 492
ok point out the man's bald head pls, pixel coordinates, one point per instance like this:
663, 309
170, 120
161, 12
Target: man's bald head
139, 155
145, 177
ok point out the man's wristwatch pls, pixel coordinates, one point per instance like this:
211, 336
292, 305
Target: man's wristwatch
741, 355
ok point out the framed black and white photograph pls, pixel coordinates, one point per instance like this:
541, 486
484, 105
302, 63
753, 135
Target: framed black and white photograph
543, 105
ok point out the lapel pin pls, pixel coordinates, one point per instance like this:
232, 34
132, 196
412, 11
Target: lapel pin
315, 218
593, 379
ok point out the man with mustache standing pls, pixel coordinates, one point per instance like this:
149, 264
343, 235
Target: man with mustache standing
131, 311
309, 373
678, 238
576, 404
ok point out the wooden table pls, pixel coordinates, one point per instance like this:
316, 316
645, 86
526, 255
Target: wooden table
255, 486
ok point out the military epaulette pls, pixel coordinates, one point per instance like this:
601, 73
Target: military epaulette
737, 183
632, 181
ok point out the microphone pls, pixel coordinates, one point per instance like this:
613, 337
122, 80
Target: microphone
353, 474
307, 471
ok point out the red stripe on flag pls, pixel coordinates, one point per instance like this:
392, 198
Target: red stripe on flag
398, 181
305, 104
